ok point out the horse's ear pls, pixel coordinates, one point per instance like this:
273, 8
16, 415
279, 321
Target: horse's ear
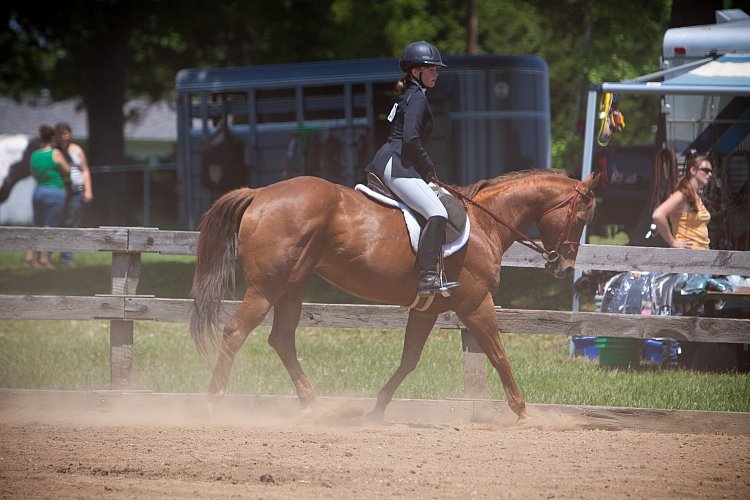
592, 180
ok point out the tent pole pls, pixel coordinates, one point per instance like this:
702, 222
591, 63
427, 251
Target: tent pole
588, 153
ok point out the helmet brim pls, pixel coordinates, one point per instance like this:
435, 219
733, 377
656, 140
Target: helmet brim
405, 67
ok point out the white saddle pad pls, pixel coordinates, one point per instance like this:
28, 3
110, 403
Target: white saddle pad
412, 226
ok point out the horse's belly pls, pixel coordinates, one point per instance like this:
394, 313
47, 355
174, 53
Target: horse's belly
378, 267
386, 288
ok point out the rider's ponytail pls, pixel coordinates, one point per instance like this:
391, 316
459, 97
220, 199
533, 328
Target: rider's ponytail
403, 83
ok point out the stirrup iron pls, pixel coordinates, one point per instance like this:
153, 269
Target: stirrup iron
445, 285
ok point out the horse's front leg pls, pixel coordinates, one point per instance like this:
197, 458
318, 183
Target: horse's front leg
287, 312
482, 324
418, 328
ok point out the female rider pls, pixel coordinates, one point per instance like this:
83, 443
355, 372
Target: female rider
403, 164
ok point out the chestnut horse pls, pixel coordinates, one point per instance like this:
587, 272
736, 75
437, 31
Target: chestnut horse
283, 232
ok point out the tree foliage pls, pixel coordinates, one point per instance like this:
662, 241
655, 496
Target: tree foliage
106, 51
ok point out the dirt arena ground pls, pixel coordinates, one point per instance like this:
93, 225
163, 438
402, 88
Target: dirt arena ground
110, 445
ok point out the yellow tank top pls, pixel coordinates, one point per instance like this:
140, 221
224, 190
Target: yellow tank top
692, 226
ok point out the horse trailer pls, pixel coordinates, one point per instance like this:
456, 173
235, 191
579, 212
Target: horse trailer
258, 125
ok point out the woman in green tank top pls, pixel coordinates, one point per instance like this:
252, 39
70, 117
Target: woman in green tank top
49, 168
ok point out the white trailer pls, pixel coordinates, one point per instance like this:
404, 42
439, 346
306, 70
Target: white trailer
17, 210
710, 121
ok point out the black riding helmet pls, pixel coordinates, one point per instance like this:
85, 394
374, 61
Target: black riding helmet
419, 54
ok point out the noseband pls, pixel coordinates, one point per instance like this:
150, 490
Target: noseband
551, 256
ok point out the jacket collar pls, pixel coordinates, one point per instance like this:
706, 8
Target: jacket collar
419, 86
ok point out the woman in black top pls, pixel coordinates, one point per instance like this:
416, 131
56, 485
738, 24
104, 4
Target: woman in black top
403, 164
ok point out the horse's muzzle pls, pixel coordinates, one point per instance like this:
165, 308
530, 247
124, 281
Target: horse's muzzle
560, 268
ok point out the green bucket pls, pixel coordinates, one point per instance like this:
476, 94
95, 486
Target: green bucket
619, 352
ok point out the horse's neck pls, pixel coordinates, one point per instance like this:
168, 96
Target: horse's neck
519, 202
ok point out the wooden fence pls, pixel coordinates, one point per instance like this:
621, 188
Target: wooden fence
124, 306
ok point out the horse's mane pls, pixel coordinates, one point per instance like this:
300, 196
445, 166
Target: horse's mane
471, 190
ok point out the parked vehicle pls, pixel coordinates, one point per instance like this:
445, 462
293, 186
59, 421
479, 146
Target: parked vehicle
15, 201
262, 124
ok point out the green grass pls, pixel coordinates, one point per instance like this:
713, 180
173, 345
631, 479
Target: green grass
163, 276
74, 355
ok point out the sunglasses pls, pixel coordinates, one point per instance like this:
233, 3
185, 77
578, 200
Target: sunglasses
706, 170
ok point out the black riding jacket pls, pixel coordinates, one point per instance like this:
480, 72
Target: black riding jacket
410, 126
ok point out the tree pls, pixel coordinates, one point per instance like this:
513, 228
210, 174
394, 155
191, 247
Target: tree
105, 52
82, 54
693, 12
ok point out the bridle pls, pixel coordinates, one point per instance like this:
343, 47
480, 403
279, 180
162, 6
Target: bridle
563, 240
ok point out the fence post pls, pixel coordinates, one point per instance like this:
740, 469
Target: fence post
475, 375
126, 272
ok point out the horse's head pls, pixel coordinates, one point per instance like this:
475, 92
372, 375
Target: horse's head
561, 225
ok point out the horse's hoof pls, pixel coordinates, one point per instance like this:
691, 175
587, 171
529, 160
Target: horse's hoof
374, 417
307, 413
212, 403
523, 418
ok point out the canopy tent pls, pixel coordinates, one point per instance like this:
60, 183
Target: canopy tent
732, 71
732, 124
728, 75
705, 102
724, 79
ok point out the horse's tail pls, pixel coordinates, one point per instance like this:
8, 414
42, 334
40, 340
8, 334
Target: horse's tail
214, 266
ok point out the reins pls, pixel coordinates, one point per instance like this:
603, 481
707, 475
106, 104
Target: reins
550, 256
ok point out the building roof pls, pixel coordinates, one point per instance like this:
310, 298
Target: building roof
147, 121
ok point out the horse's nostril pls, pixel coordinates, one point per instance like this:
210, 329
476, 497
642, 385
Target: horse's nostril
569, 272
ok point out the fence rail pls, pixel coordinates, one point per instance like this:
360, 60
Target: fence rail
523, 321
124, 306
600, 257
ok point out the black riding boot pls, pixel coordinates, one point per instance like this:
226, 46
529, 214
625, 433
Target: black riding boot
430, 246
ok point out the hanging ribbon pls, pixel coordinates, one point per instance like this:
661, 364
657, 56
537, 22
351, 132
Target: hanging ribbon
611, 119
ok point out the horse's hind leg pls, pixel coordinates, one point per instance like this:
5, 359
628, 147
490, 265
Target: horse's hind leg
286, 314
250, 313
418, 328
482, 324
